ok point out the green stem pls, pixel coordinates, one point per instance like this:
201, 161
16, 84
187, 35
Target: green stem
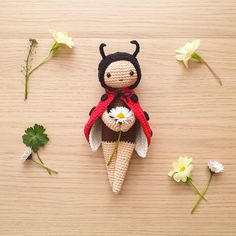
26, 86
196, 189
115, 149
200, 59
52, 51
28, 72
49, 172
27, 68
213, 72
45, 167
40, 64
203, 194
33, 43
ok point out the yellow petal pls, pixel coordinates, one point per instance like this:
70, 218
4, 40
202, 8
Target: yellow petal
185, 61
188, 170
180, 177
181, 169
180, 57
62, 38
170, 174
185, 53
195, 44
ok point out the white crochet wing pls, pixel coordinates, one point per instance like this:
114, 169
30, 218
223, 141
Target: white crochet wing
95, 135
141, 143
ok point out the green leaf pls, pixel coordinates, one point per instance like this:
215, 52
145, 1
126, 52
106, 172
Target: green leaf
35, 137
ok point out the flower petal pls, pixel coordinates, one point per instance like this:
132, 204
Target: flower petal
181, 169
185, 53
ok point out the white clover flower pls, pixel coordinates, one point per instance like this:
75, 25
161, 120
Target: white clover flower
62, 38
215, 167
181, 169
26, 155
186, 52
121, 114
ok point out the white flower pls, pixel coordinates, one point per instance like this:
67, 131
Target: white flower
186, 52
181, 169
62, 38
215, 167
27, 153
121, 114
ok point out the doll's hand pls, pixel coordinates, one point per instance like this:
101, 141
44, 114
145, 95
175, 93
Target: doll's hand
110, 122
126, 126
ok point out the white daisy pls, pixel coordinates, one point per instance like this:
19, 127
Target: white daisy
215, 167
121, 114
26, 155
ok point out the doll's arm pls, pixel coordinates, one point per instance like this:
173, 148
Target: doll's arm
126, 126
91, 111
110, 122
147, 118
146, 115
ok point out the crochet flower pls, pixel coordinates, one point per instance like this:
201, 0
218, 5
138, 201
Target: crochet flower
121, 114
188, 52
181, 171
26, 155
214, 167
62, 38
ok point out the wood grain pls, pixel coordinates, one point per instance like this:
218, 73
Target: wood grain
190, 114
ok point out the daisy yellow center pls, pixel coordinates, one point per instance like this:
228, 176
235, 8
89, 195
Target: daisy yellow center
120, 116
182, 168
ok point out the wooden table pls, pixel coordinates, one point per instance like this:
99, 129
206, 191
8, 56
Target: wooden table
190, 115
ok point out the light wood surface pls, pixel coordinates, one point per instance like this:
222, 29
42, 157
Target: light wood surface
190, 114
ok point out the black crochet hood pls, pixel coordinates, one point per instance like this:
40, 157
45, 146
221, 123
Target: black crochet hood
118, 56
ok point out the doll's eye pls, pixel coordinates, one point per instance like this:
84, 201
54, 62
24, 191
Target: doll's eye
108, 75
131, 73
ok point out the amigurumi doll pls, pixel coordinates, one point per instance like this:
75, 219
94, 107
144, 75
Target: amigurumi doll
118, 122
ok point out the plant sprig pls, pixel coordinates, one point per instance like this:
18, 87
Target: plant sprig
35, 138
60, 39
26, 69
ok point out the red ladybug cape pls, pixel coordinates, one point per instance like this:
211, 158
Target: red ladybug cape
126, 98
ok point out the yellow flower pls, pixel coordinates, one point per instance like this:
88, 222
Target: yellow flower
181, 169
62, 38
187, 52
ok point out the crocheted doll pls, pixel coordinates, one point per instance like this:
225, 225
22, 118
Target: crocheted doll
118, 122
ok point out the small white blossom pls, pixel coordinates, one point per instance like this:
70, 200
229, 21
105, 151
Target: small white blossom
121, 114
27, 153
215, 167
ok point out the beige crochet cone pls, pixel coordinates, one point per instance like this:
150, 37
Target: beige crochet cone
124, 153
108, 148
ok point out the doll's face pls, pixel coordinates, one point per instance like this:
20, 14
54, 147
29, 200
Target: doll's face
120, 74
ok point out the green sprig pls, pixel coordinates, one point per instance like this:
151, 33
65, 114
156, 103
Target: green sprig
35, 138
27, 69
